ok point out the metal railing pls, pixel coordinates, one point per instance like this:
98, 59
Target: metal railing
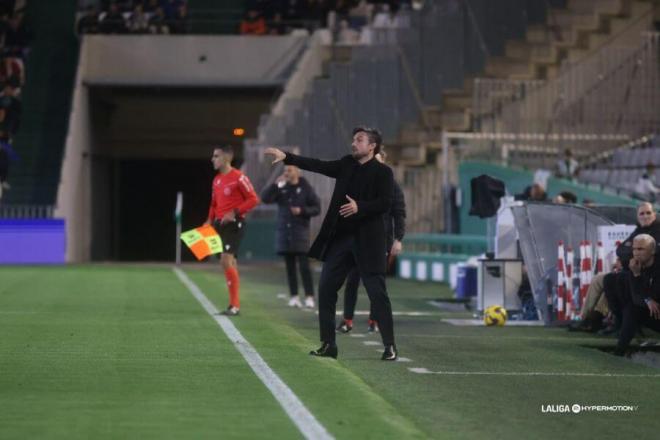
26, 211
611, 97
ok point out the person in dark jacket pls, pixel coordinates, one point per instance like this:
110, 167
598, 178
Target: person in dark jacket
395, 226
615, 284
352, 233
643, 283
297, 204
608, 292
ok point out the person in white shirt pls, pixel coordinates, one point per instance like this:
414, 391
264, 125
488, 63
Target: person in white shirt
645, 187
567, 166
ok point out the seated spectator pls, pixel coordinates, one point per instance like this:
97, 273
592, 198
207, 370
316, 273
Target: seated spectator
158, 23
346, 35
12, 69
596, 308
138, 22
386, 18
645, 188
112, 22
11, 108
359, 14
181, 24
615, 283
568, 196
276, 26
642, 299
253, 23
171, 9
533, 193
89, 22
567, 167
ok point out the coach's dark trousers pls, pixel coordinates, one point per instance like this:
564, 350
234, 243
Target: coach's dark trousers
341, 257
635, 317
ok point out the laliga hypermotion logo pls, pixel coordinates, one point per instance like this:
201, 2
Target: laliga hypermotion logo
560, 408
577, 408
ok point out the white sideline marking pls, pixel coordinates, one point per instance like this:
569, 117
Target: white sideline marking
295, 409
524, 373
366, 312
480, 323
358, 335
371, 343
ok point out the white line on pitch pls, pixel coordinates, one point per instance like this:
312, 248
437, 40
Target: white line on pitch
371, 343
524, 373
413, 313
295, 409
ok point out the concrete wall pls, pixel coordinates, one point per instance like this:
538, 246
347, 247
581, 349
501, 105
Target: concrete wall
174, 60
148, 61
74, 191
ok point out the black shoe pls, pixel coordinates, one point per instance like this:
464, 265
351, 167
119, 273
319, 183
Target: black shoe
230, 311
345, 326
585, 325
326, 350
390, 353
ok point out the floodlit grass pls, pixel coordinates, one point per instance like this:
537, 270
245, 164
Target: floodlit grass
121, 351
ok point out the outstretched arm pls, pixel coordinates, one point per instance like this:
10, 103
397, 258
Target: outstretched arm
277, 154
328, 168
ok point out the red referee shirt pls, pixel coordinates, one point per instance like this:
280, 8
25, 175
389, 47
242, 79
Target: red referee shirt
231, 191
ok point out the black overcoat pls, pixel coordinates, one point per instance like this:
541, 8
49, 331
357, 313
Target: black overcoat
292, 230
373, 201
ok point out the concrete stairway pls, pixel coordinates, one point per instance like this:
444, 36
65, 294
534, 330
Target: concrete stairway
570, 34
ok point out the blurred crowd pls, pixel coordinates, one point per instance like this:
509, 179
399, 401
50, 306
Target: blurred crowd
133, 17
15, 38
347, 19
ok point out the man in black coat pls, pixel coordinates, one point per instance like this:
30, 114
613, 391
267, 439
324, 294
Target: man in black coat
643, 285
395, 228
615, 285
353, 233
297, 204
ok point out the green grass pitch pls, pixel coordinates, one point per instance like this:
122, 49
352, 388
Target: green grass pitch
120, 351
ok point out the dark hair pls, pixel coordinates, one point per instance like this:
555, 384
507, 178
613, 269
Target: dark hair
374, 136
225, 148
569, 196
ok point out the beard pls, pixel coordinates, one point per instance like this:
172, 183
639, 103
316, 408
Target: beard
357, 155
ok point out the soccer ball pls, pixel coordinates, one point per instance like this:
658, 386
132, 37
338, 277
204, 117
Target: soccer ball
495, 315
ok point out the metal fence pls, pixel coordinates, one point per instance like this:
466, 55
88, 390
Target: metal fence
608, 98
541, 226
26, 211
